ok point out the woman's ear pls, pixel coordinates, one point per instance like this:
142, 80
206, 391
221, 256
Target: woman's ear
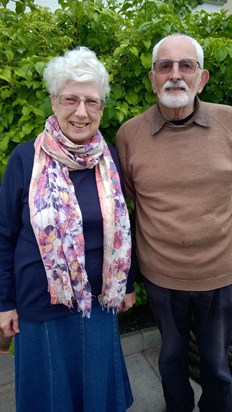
53, 103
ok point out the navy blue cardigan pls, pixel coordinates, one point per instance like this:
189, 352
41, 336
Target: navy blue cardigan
23, 282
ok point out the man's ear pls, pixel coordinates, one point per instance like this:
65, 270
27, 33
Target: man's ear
204, 80
151, 76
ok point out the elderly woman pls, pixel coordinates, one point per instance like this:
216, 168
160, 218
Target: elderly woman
65, 252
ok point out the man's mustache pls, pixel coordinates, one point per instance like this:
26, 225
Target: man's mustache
175, 85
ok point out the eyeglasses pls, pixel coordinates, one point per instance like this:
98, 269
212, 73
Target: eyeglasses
92, 104
164, 66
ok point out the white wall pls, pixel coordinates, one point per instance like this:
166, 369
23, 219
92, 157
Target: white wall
51, 4
228, 5
209, 7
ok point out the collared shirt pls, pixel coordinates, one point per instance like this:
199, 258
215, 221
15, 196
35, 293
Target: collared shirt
200, 117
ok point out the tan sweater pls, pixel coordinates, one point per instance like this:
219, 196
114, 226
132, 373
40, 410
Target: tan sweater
180, 178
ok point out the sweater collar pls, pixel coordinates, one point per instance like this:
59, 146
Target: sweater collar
200, 117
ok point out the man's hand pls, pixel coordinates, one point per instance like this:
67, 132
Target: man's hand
9, 322
128, 302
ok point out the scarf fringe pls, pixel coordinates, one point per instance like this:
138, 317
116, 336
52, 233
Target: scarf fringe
113, 304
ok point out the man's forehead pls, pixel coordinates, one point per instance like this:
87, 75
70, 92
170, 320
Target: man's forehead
177, 46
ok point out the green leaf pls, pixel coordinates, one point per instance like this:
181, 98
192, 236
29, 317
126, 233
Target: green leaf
117, 91
25, 71
134, 51
120, 116
132, 98
123, 107
9, 54
147, 44
4, 2
8, 117
4, 143
5, 93
26, 110
221, 54
146, 60
5, 74
20, 7
39, 67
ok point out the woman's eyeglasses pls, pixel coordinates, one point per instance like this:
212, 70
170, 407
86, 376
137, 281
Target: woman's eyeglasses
164, 66
92, 104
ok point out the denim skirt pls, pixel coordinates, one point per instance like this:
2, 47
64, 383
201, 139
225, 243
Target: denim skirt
71, 364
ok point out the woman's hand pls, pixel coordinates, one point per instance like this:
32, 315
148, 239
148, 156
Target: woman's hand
128, 302
9, 322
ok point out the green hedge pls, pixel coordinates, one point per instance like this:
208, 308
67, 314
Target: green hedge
122, 35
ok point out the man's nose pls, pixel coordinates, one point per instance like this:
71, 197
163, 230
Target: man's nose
175, 71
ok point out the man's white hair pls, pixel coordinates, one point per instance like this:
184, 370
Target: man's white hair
199, 49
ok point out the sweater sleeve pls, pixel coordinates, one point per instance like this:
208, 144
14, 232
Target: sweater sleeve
10, 225
132, 271
123, 149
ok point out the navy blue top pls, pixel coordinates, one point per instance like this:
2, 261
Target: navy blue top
23, 281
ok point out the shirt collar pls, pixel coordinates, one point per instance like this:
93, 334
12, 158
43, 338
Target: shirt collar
200, 117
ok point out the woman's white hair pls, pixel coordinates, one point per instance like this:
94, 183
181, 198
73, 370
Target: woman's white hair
80, 65
199, 49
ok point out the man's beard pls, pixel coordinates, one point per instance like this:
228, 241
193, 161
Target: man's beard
177, 99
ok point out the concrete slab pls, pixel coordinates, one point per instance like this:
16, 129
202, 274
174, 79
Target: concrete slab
6, 369
7, 392
151, 355
7, 398
146, 385
140, 340
144, 372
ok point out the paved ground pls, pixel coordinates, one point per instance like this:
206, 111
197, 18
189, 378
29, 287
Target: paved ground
6, 383
141, 351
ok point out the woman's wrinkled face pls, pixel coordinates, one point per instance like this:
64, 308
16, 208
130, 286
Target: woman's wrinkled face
78, 109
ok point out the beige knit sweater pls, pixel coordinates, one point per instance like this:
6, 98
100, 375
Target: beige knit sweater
180, 178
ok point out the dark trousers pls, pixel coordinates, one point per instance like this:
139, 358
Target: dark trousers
212, 315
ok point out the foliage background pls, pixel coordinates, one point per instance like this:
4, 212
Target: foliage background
122, 33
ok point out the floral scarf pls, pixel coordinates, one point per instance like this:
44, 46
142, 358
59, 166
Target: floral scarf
57, 221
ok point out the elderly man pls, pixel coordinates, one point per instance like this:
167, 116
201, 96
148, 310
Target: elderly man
177, 160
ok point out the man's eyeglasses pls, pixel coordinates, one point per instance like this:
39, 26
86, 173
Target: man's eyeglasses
164, 66
92, 104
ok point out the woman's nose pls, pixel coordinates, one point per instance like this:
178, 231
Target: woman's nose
81, 109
